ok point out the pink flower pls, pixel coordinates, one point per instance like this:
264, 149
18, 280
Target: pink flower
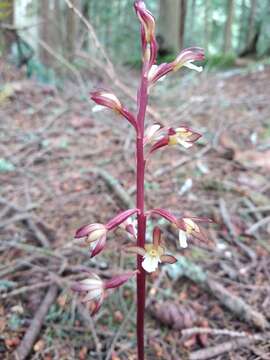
183, 136
95, 288
96, 234
152, 254
105, 99
185, 58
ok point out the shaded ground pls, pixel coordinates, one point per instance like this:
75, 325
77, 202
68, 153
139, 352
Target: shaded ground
51, 147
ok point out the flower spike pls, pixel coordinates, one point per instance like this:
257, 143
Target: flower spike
106, 99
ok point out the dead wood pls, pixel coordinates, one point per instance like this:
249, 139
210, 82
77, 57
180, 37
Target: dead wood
234, 303
235, 344
33, 331
115, 186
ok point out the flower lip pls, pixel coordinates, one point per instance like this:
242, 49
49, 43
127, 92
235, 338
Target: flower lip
153, 253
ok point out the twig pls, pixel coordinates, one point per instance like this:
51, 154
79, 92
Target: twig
235, 344
115, 186
257, 225
33, 331
24, 289
89, 323
119, 332
186, 333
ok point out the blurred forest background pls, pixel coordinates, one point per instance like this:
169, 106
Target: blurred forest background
227, 30
62, 166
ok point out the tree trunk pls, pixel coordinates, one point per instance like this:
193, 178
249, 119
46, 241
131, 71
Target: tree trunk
251, 22
6, 18
172, 16
206, 25
72, 25
228, 27
50, 30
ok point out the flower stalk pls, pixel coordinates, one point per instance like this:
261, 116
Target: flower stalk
149, 256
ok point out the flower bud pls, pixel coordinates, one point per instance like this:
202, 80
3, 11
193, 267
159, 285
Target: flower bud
147, 21
92, 231
107, 99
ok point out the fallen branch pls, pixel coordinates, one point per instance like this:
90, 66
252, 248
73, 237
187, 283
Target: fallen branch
236, 305
33, 331
114, 185
235, 344
89, 323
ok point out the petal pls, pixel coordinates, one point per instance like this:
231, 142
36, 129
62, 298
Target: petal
87, 229
151, 131
191, 225
135, 250
183, 239
98, 247
156, 237
150, 263
98, 108
93, 294
119, 280
192, 66
185, 144
169, 259
98, 304
160, 143
120, 218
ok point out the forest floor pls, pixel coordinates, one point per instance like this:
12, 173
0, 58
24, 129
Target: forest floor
62, 166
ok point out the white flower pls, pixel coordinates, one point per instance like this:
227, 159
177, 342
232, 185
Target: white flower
152, 257
152, 254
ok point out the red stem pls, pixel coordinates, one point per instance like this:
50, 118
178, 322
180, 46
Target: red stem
143, 98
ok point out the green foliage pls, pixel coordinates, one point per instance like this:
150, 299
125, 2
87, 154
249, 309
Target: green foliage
220, 61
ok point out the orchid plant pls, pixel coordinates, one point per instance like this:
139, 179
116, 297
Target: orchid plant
147, 142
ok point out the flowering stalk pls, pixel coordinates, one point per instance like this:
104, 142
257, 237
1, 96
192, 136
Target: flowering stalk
149, 256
